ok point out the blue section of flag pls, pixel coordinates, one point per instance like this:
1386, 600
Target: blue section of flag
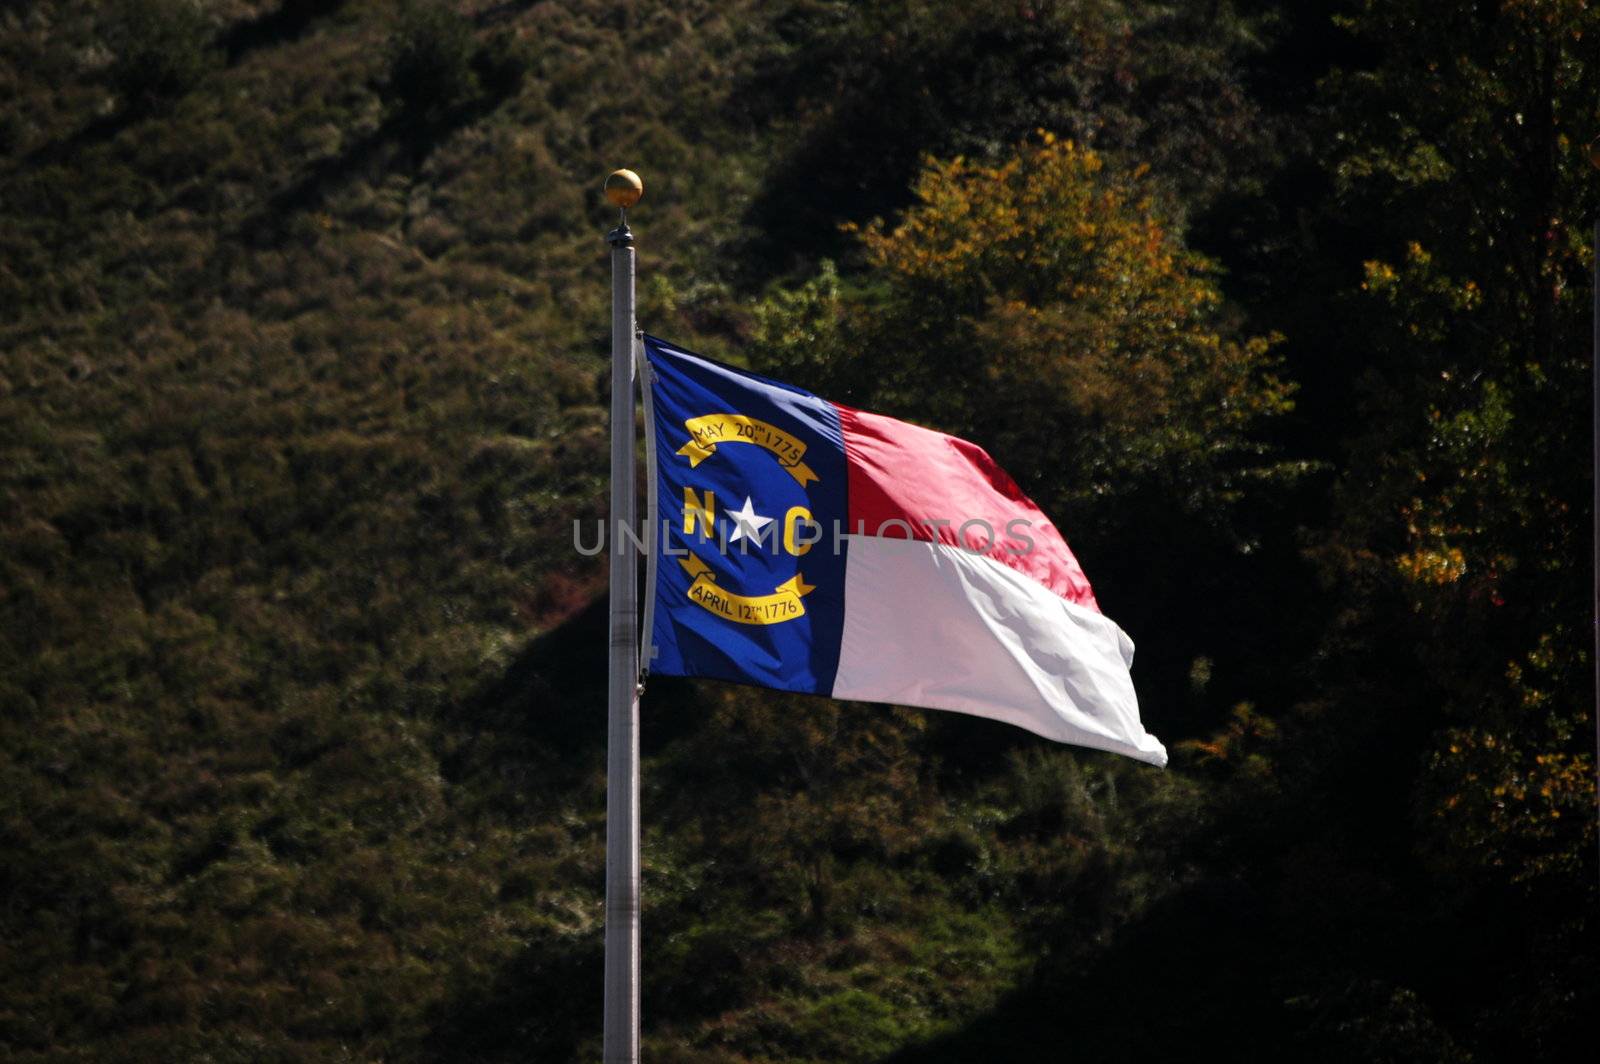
739, 458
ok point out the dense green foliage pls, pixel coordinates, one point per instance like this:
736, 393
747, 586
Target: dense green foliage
1281, 310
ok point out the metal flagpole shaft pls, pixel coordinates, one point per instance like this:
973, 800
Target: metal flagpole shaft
1594, 414
622, 751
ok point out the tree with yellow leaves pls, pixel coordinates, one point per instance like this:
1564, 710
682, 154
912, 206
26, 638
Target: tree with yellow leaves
1045, 307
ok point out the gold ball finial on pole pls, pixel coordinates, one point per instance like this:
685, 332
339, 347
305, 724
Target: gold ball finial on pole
624, 189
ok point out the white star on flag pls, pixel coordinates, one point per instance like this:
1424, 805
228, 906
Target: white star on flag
747, 523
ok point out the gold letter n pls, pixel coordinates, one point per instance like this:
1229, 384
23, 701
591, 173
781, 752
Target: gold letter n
702, 510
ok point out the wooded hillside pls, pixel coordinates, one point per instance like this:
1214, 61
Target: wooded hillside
1281, 310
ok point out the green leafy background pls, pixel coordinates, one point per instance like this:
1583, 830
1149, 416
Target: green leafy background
1281, 309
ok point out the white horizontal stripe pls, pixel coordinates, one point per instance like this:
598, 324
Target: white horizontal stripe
928, 624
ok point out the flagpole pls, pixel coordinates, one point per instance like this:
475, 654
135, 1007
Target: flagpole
1594, 415
621, 1045
1594, 468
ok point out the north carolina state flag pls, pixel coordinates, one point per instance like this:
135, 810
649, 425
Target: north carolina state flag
807, 546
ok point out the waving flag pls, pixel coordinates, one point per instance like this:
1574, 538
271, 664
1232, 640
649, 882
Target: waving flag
807, 546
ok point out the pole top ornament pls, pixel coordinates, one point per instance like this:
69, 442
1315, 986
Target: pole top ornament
623, 188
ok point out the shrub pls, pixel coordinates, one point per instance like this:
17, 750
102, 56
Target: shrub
431, 61
161, 49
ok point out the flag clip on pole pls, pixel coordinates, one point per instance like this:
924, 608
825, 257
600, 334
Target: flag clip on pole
621, 1044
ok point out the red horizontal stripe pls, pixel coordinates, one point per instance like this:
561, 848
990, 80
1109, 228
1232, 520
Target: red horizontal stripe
908, 482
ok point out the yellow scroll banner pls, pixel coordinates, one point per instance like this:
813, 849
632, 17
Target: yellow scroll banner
708, 431
782, 605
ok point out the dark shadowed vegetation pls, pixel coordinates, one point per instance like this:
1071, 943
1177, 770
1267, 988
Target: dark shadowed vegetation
1280, 309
